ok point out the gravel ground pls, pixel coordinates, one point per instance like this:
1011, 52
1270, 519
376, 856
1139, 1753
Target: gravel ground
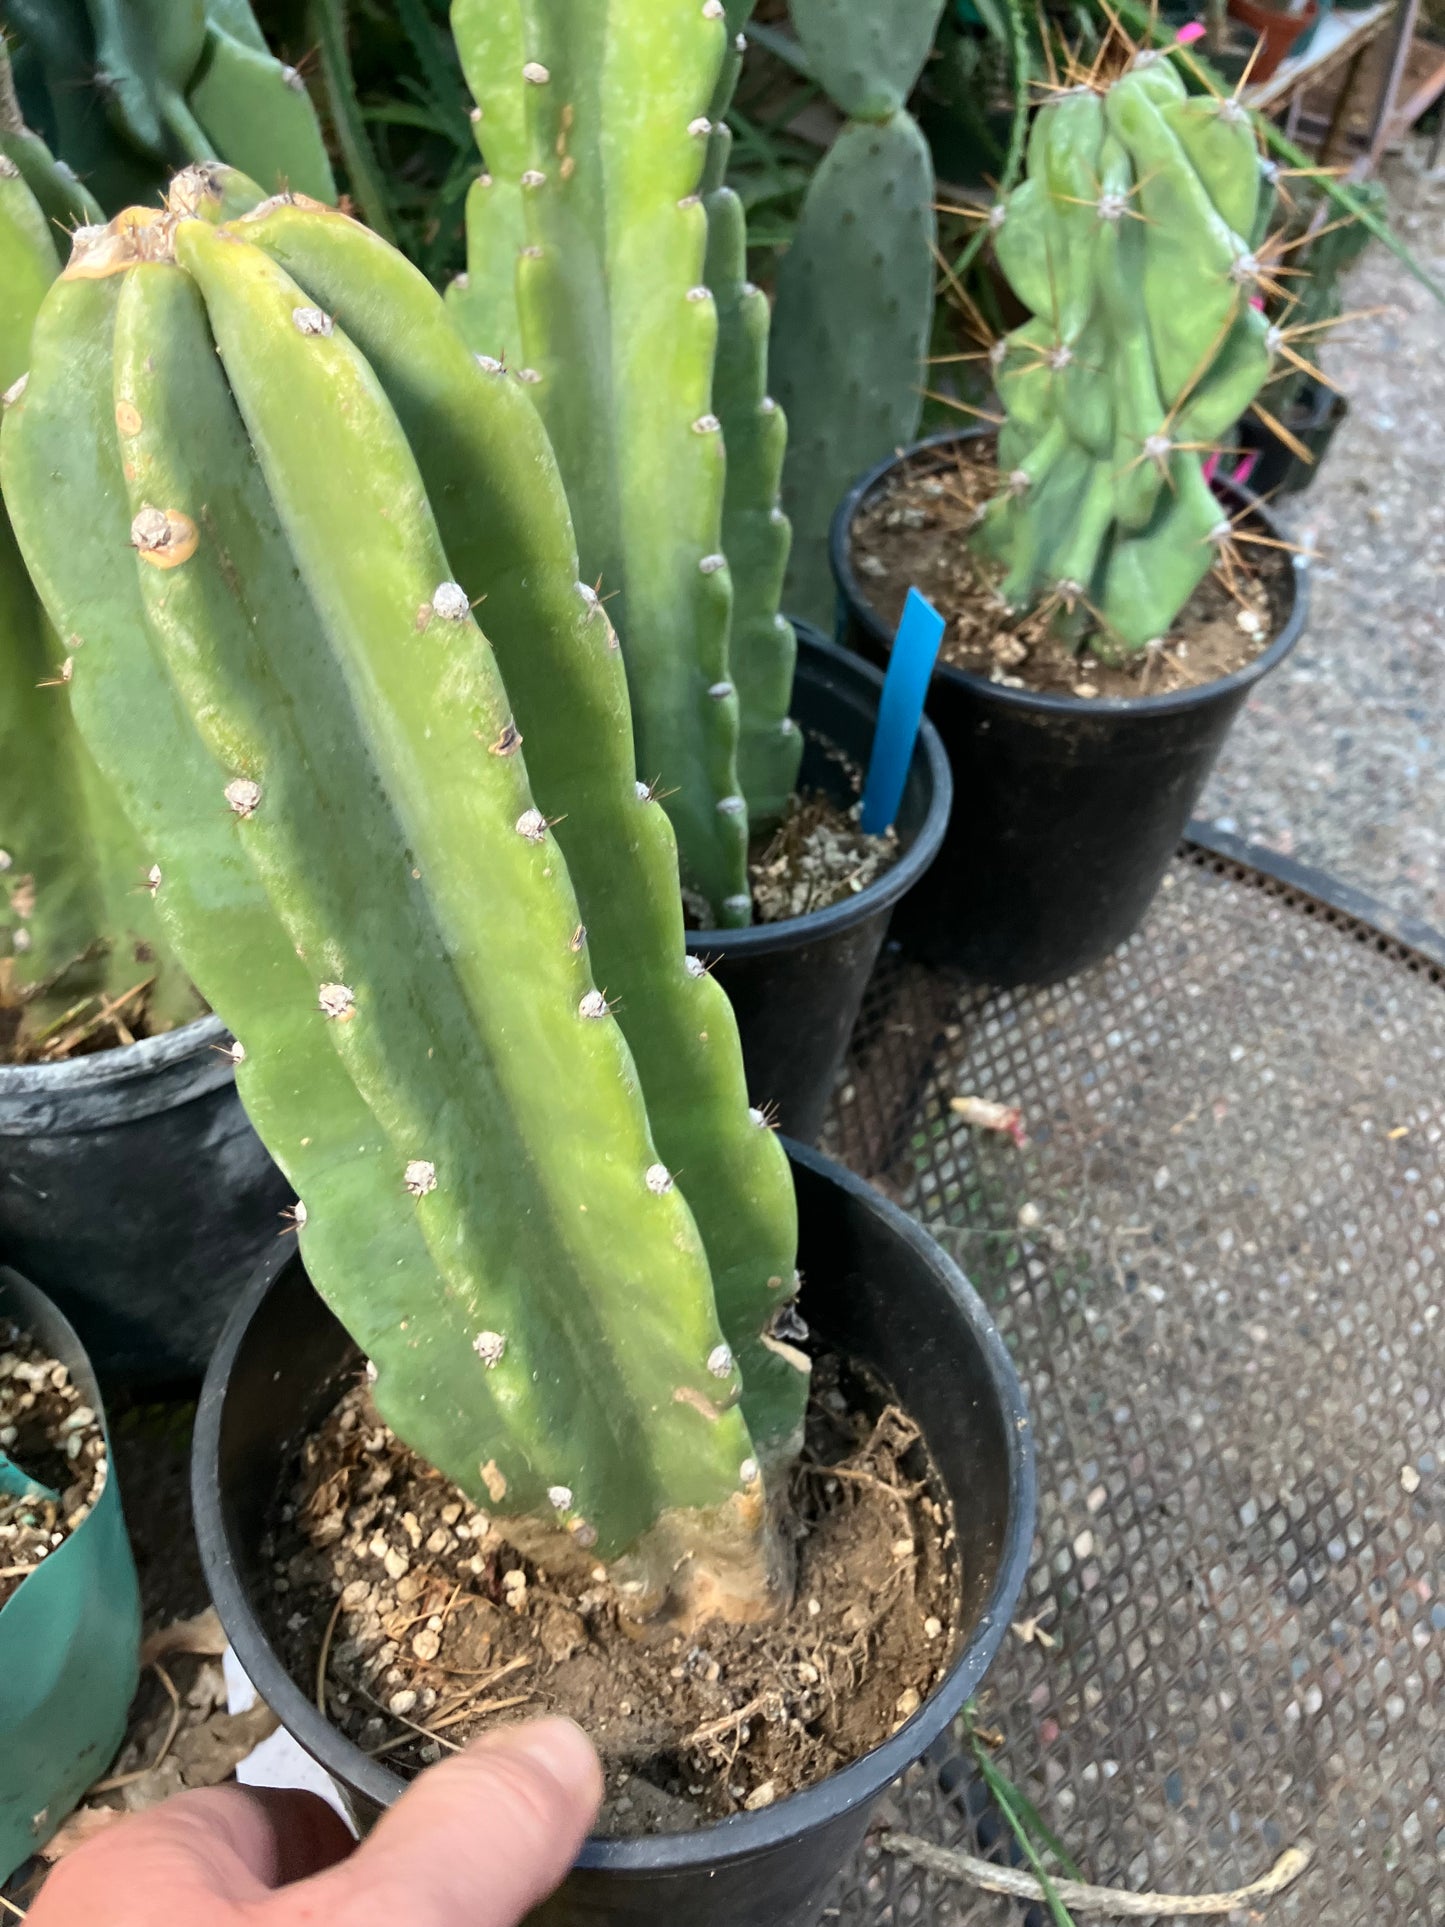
1339, 760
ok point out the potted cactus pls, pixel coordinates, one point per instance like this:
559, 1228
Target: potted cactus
411, 864
130, 1181
606, 274
1108, 626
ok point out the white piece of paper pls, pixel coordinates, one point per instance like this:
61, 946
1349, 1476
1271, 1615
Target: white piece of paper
279, 1761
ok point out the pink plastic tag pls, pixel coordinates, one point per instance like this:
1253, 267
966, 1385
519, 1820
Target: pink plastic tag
1192, 30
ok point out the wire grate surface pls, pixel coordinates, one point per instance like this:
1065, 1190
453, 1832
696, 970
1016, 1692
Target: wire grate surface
1218, 1264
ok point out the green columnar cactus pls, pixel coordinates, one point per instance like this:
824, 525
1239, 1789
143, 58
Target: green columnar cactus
286, 684
76, 916
179, 80
755, 533
1125, 243
470, 440
855, 289
596, 119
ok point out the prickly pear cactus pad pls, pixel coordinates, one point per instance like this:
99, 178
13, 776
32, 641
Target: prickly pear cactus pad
855, 289
324, 752
594, 121
1126, 241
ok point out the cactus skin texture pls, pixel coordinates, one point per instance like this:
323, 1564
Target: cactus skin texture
1125, 243
426, 1051
607, 109
855, 289
76, 916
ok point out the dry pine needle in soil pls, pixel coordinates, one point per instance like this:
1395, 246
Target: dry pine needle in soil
914, 531
52, 1436
407, 1612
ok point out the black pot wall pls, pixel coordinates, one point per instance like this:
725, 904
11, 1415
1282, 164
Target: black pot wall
797, 986
1066, 809
878, 1289
134, 1191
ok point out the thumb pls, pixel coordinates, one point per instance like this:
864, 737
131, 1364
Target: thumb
476, 1842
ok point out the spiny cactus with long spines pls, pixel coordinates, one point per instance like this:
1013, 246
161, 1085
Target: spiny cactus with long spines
476, 1057
1128, 241
76, 917
855, 290
594, 123
126, 90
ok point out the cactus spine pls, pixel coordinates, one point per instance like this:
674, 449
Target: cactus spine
289, 683
855, 289
1125, 243
594, 122
76, 917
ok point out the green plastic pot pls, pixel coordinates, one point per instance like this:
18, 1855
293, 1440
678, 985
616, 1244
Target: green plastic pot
69, 1635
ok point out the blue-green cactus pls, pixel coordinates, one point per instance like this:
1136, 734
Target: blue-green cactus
855, 289
137, 87
1126, 243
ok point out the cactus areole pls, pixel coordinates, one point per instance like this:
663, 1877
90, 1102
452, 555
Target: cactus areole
1129, 243
268, 493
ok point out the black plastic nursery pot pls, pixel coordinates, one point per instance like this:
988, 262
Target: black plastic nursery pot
1067, 809
1314, 421
878, 1290
135, 1192
797, 985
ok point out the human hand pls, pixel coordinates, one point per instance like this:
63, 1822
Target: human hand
476, 1842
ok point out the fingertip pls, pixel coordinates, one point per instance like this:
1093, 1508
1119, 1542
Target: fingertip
561, 1749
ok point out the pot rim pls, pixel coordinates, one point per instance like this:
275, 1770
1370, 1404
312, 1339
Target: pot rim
742, 1835
817, 926
1166, 703
110, 1086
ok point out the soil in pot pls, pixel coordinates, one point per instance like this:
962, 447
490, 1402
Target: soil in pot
914, 529
816, 857
410, 1615
93, 1022
51, 1436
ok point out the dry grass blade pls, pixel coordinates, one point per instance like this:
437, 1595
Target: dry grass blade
1081, 1897
324, 1657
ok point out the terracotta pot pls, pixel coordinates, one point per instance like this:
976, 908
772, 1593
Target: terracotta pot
1277, 29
